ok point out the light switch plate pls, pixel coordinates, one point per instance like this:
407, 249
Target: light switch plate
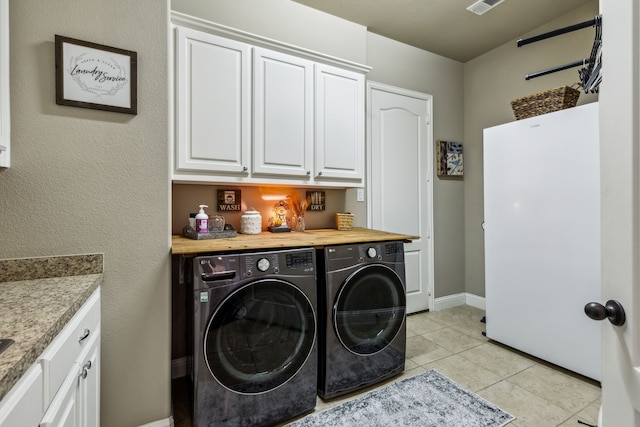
360, 195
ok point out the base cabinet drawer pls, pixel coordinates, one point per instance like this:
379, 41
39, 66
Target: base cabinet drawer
58, 358
23, 405
76, 404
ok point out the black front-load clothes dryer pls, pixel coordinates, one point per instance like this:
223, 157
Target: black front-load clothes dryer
362, 306
254, 337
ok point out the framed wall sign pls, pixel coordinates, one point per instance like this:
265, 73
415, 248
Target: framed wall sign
89, 75
449, 158
229, 200
317, 200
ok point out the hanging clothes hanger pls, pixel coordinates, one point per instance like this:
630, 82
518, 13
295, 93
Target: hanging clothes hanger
590, 76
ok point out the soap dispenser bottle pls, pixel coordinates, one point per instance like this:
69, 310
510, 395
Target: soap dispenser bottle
202, 220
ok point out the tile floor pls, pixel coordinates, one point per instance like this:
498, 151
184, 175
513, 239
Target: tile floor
451, 341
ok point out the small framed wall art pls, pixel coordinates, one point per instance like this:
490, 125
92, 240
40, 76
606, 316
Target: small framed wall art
449, 158
229, 200
317, 200
90, 75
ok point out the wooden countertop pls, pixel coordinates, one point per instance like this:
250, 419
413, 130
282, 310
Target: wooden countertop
266, 240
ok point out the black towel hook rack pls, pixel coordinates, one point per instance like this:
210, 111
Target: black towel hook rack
589, 74
596, 21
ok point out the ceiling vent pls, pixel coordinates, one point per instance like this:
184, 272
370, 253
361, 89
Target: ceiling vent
482, 6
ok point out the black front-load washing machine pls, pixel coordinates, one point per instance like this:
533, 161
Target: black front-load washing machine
254, 337
362, 306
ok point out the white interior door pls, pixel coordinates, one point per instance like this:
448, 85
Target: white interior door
400, 185
620, 183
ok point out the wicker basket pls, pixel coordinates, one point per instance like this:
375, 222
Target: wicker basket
545, 102
344, 220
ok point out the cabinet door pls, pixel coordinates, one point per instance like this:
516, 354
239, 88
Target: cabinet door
63, 411
5, 133
339, 128
283, 114
23, 405
77, 402
213, 103
89, 387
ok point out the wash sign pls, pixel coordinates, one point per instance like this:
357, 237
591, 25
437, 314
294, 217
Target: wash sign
229, 200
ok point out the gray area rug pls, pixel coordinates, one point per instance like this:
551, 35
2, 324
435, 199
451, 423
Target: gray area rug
426, 400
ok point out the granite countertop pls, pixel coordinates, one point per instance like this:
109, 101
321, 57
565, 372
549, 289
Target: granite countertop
38, 297
317, 238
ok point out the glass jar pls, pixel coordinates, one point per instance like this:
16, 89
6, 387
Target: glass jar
216, 223
298, 223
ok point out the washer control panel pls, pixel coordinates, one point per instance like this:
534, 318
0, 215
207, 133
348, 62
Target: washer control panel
278, 262
300, 259
261, 263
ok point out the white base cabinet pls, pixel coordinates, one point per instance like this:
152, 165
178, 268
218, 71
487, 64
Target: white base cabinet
62, 388
250, 110
5, 119
77, 403
23, 405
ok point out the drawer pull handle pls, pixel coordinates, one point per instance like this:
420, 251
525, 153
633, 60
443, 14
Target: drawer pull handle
84, 335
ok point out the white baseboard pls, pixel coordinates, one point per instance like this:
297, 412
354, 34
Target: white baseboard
476, 301
179, 367
455, 300
167, 422
449, 301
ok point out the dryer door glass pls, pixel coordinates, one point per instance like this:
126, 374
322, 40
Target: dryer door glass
369, 309
260, 336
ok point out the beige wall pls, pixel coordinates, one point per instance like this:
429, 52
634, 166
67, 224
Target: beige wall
491, 81
85, 181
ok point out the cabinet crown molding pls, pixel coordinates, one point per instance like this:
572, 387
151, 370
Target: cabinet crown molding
189, 21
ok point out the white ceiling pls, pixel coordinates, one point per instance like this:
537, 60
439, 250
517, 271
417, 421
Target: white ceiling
445, 27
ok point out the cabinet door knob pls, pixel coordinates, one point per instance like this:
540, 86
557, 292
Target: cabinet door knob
85, 370
244, 169
308, 172
84, 336
320, 173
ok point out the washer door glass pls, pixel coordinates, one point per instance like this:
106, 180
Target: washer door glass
260, 336
369, 309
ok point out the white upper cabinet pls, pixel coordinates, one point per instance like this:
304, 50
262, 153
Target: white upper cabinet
213, 98
5, 131
283, 114
250, 110
339, 126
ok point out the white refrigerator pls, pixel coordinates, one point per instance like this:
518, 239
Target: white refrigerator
542, 236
